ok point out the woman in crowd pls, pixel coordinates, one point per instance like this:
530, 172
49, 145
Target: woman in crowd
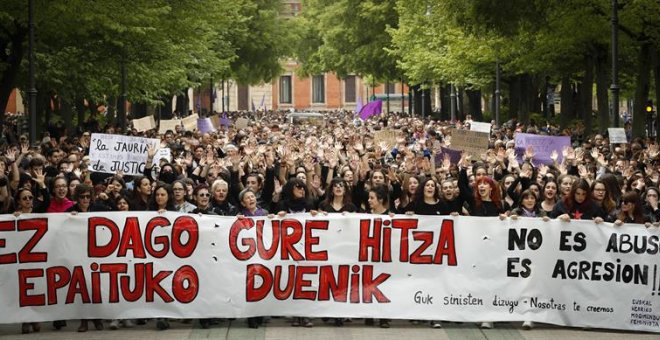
379, 204
27, 204
528, 206
203, 200
161, 200
141, 193
410, 185
651, 208
294, 198
59, 201
602, 197
632, 210
220, 200
549, 196
578, 204
180, 203
249, 208
83, 196
337, 198
427, 199
565, 182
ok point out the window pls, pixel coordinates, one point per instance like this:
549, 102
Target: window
349, 89
285, 89
390, 87
318, 89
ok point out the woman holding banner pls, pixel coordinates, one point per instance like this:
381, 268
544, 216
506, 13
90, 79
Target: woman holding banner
83, 196
578, 204
249, 208
632, 210
141, 193
379, 202
337, 199
549, 196
27, 204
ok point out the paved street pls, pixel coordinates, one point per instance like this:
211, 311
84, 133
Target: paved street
281, 329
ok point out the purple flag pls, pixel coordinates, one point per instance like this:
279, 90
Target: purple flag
225, 120
454, 156
358, 105
371, 109
543, 146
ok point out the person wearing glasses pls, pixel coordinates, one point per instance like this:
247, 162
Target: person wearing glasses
27, 204
602, 197
202, 197
83, 198
651, 208
337, 199
632, 210
180, 203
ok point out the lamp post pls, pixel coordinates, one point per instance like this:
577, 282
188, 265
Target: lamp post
452, 100
615, 56
497, 94
423, 102
32, 90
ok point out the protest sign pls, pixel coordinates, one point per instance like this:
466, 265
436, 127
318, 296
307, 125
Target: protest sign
165, 153
617, 135
543, 146
205, 125
145, 264
472, 142
480, 127
454, 156
169, 124
241, 123
386, 136
216, 121
190, 122
112, 153
144, 124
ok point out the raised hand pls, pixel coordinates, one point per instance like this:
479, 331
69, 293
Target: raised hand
151, 151
554, 155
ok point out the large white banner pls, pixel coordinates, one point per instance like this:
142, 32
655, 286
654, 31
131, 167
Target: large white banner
113, 153
119, 265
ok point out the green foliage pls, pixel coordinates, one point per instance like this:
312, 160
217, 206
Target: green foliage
347, 37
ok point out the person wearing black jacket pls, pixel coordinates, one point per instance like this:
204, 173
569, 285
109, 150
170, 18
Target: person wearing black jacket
337, 198
294, 198
578, 204
220, 199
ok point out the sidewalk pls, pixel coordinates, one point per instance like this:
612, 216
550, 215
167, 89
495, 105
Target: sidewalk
281, 329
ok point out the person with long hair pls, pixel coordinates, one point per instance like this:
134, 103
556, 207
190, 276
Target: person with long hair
410, 185
379, 204
25, 204
294, 198
59, 201
427, 199
83, 196
602, 197
337, 199
549, 196
203, 200
565, 182
632, 210
141, 193
527, 206
578, 204
651, 206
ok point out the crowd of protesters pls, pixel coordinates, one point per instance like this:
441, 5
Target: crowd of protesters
276, 167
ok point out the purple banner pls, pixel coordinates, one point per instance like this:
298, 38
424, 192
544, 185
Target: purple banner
454, 156
205, 125
543, 146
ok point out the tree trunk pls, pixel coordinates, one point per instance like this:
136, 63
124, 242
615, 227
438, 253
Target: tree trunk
566, 102
67, 115
474, 104
642, 85
445, 102
601, 89
586, 90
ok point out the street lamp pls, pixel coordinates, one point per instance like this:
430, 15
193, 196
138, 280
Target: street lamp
32, 90
497, 93
615, 56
